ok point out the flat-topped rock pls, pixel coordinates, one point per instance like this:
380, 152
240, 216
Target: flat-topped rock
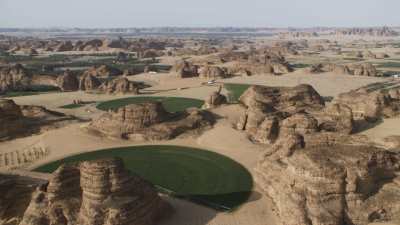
149, 121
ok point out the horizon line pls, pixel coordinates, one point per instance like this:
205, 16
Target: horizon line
199, 27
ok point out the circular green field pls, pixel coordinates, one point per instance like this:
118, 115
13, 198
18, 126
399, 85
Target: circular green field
171, 104
198, 175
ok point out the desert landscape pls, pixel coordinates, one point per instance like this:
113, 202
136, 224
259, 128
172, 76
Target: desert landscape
200, 126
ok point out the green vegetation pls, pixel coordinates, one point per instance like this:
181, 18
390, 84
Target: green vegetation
12, 94
56, 63
354, 59
33, 90
235, 91
72, 106
171, 104
300, 65
201, 176
389, 73
389, 65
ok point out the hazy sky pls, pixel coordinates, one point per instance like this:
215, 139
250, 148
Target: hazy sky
143, 13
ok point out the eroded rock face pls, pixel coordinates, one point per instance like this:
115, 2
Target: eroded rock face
100, 192
330, 184
215, 99
286, 99
14, 78
369, 104
65, 47
120, 85
88, 82
274, 112
148, 121
16, 121
336, 118
91, 45
16, 194
68, 82
330, 67
185, 69
365, 69
104, 71
11, 118
212, 72
378, 31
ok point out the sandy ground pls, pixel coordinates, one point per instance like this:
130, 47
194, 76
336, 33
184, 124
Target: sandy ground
327, 84
223, 138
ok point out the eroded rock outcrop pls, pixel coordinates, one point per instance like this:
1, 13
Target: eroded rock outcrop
371, 103
100, 192
10, 118
272, 112
185, 69
64, 47
375, 31
16, 194
104, 71
120, 85
148, 121
212, 72
16, 121
68, 82
365, 69
215, 99
88, 82
14, 78
330, 183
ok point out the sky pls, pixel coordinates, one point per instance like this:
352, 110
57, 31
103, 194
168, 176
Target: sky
198, 13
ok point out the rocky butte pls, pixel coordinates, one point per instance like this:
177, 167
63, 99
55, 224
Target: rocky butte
149, 121
99, 192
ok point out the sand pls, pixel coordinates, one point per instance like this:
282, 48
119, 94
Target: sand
223, 138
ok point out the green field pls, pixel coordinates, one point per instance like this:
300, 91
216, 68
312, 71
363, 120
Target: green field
72, 106
198, 175
33, 90
235, 91
389, 65
171, 104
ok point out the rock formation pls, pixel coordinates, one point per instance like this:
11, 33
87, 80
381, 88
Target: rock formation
16, 121
88, 82
365, 69
100, 192
185, 69
272, 112
91, 45
10, 118
269, 61
378, 32
148, 121
104, 71
215, 99
64, 47
14, 78
329, 67
117, 43
212, 72
68, 82
370, 103
314, 69
329, 182
120, 85
16, 194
